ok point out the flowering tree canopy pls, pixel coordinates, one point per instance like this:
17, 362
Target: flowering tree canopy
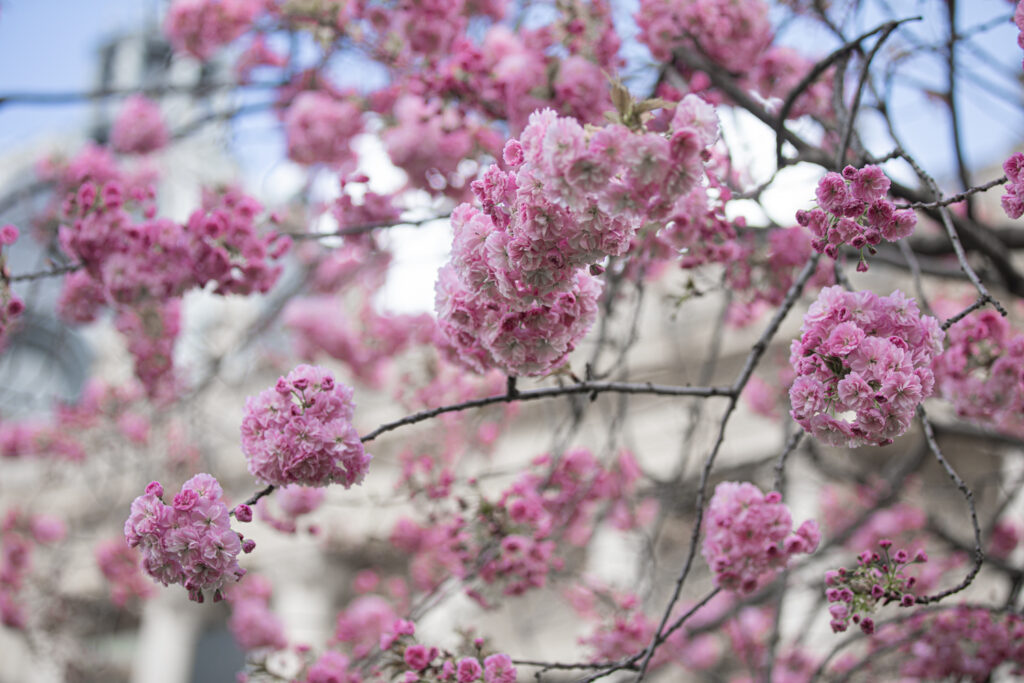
605, 364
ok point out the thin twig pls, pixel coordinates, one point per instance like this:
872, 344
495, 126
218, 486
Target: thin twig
758, 350
549, 392
979, 555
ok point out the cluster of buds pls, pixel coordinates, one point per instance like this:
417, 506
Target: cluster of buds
877, 579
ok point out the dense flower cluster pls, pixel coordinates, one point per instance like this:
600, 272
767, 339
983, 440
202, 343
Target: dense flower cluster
423, 663
514, 543
760, 276
320, 128
628, 629
429, 140
877, 579
225, 248
188, 542
300, 432
332, 667
515, 294
749, 537
200, 27
960, 643
1013, 200
738, 36
982, 371
141, 267
863, 366
852, 209
150, 329
139, 127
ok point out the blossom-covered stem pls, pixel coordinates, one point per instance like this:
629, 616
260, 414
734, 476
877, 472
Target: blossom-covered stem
959, 197
756, 352
979, 555
954, 239
780, 464
550, 392
887, 30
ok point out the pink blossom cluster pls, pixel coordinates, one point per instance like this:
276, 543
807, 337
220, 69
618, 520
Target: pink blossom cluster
511, 73
422, 663
150, 330
761, 276
120, 565
733, 34
10, 305
28, 438
300, 432
959, 643
218, 244
226, 248
487, 330
19, 534
515, 294
429, 140
628, 629
201, 27
1004, 538
332, 667
363, 622
319, 129
440, 550
982, 371
188, 542
902, 522
738, 36
863, 366
878, 578
252, 623
371, 208
1013, 200
139, 127
852, 209
513, 543
565, 497
411, 31
749, 537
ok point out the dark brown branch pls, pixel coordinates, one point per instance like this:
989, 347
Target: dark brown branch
756, 352
979, 555
550, 392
